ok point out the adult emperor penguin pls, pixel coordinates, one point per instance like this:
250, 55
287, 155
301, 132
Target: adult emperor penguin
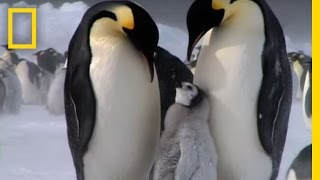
112, 98
55, 100
301, 64
307, 98
34, 89
10, 55
2, 92
244, 69
13, 91
50, 59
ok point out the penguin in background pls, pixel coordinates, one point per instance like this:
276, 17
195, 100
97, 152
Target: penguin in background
301, 167
112, 98
2, 92
186, 149
307, 99
244, 68
191, 64
170, 70
49, 60
33, 84
55, 101
5, 65
300, 63
10, 56
13, 92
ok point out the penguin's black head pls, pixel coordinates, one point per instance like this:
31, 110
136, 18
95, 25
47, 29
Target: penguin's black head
188, 94
39, 53
204, 15
7, 47
125, 18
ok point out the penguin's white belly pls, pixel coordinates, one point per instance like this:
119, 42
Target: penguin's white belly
55, 101
127, 124
298, 69
307, 120
230, 72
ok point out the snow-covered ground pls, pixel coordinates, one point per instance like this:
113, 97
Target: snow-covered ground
33, 145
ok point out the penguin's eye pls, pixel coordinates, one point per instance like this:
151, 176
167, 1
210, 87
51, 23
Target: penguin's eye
189, 87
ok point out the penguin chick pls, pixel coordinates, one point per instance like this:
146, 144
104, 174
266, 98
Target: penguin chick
186, 148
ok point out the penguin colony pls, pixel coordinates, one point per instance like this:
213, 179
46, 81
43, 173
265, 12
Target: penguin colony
25, 82
119, 85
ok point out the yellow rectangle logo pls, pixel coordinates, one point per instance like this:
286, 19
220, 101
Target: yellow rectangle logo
33, 12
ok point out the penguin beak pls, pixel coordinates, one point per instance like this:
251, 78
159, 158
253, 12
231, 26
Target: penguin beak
178, 84
5, 46
201, 18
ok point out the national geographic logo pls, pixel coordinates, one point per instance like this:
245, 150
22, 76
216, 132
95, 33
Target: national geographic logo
33, 12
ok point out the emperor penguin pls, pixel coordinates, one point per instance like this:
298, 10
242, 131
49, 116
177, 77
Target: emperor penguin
244, 69
187, 149
49, 59
34, 90
170, 70
55, 101
112, 98
307, 99
2, 92
300, 63
301, 167
10, 56
13, 92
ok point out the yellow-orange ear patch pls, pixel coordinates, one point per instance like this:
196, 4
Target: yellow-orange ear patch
216, 5
124, 16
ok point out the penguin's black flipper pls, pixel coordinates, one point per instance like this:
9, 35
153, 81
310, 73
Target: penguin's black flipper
170, 69
275, 98
80, 102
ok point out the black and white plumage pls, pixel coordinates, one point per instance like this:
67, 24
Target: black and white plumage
300, 64
301, 167
307, 98
10, 56
2, 92
170, 70
50, 60
187, 149
13, 91
193, 59
34, 82
243, 67
55, 101
112, 98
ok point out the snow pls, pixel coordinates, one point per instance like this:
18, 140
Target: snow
33, 144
